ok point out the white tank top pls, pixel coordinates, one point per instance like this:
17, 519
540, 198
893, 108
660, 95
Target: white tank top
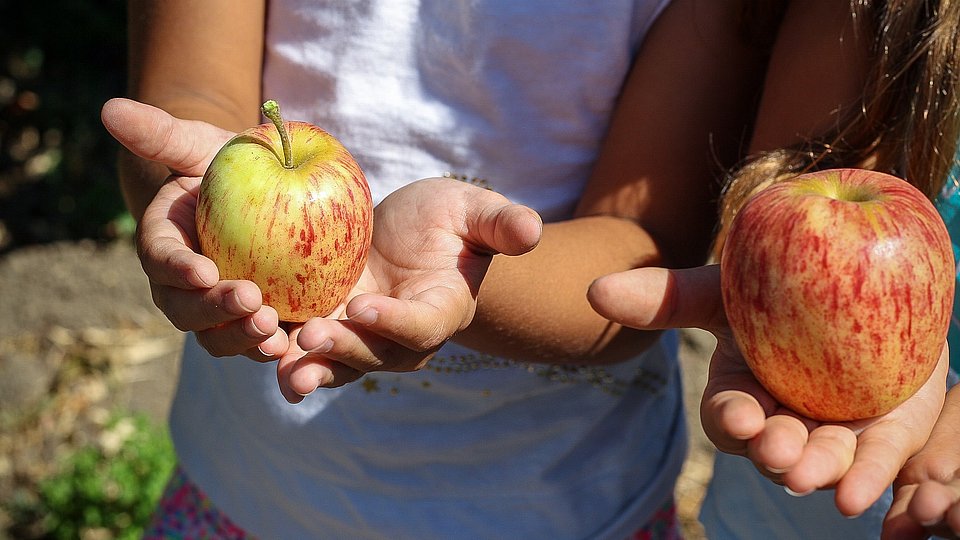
514, 95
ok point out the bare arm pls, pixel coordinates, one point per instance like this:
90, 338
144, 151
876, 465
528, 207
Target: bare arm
200, 62
196, 60
650, 201
817, 73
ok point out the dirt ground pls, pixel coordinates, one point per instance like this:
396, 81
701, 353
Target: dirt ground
80, 337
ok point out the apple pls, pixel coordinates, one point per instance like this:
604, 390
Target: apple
285, 205
838, 287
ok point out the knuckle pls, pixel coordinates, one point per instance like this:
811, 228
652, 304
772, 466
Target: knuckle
432, 339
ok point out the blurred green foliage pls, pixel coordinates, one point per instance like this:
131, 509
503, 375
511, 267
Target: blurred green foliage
110, 489
59, 61
106, 489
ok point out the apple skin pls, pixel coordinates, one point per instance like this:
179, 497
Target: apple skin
838, 287
301, 234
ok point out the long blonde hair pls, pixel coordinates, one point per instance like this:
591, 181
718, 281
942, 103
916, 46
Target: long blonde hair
908, 119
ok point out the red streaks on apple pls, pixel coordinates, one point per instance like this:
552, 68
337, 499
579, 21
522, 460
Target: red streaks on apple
300, 232
838, 287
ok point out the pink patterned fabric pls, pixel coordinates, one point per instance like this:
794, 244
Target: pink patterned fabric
185, 512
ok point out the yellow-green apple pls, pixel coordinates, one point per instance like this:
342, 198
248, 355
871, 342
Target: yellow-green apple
285, 205
838, 286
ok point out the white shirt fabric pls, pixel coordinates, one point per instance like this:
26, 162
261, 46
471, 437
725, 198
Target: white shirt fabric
513, 95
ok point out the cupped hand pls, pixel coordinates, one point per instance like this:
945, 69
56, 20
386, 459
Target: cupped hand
433, 241
926, 494
859, 459
227, 316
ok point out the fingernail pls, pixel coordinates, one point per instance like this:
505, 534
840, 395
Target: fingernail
855, 516
777, 471
239, 302
367, 316
793, 493
202, 280
255, 331
263, 352
324, 347
930, 523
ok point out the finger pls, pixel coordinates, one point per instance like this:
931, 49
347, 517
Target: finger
939, 459
779, 447
897, 524
730, 418
952, 520
734, 407
313, 371
257, 336
164, 239
879, 457
355, 347
494, 225
203, 309
826, 457
420, 324
168, 262
932, 501
259, 350
300, 372
184, 146
318, 336
657, 298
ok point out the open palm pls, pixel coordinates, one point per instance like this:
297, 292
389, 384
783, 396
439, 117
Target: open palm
433, 241
227, 316
859, 459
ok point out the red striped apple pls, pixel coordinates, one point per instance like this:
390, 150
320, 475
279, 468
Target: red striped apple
838, 286
285, 205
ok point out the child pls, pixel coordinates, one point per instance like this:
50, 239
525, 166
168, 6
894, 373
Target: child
926, 495
528, 414
907, 124
540, 419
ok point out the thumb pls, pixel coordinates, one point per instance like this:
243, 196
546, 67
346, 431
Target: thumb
495, 225
185, 146
658, 298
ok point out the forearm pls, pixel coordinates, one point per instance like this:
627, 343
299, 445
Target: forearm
534, 307
652, 194
194, 62
815, 81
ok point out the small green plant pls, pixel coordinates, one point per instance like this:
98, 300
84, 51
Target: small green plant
111, 487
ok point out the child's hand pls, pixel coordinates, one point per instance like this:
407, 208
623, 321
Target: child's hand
227, 316
433, 241
859, 459
926, 496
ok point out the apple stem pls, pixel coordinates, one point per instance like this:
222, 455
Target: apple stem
271, 109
